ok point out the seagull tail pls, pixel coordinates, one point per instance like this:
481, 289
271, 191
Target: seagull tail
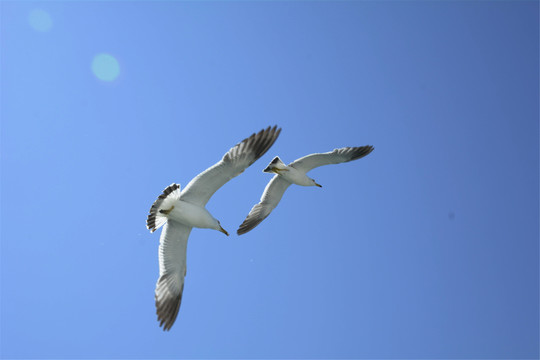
276, 162
156, 219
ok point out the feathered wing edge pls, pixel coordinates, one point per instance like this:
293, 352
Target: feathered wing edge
201, 188
336, 156
270, 198
256, 145
167, 304
172, 271
254, 218
155, 220
355, 153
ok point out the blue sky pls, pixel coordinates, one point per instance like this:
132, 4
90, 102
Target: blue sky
426, 248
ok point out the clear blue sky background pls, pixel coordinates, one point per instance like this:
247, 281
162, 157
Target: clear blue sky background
426, 248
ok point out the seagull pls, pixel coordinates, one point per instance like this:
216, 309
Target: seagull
180, 211
295, 173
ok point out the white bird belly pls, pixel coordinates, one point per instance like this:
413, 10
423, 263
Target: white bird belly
296, 177
191, 215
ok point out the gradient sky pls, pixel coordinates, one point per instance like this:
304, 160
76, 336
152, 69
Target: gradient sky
426, 248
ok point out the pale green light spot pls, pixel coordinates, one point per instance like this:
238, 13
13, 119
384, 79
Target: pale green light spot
105, 67
40, 20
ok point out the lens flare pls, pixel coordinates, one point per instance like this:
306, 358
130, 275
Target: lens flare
40, 20
105, 67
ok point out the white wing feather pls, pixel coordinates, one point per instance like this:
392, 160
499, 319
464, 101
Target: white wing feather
172, 270
336, 156
269, 200
201, 188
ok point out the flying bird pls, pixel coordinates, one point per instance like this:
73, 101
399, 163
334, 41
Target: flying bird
295, 173
180, 211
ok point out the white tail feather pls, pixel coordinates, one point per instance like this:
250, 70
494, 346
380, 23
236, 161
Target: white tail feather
156, 219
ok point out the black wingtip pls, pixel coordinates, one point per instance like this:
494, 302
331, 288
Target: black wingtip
275, 160
263, 140
167, 308
362, 151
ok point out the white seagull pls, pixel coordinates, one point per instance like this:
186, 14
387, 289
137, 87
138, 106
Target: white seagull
295, 173
180, 211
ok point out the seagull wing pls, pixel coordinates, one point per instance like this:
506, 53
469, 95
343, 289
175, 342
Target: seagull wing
234, 162
172, 270
337, 156
270, 198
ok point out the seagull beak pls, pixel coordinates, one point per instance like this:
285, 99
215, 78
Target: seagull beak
223, 230
318, 185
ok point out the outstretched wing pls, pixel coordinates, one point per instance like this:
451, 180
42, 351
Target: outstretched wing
270, 198
234, 162
172, 270
337, 156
